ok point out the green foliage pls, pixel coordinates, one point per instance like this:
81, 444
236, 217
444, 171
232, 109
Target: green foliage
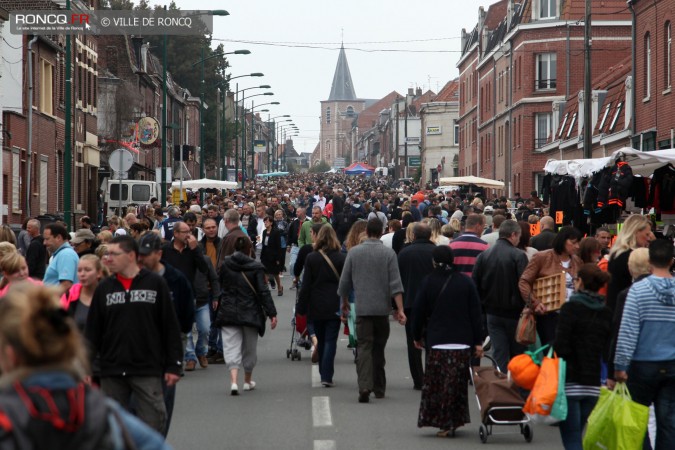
291, 167
323, 166
184, 56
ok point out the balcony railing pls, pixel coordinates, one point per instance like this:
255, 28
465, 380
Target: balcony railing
543, 83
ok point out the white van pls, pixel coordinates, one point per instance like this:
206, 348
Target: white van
134, 192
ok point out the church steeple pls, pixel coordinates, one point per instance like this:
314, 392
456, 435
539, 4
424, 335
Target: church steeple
342, 88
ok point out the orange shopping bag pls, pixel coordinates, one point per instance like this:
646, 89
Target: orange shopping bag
538, 405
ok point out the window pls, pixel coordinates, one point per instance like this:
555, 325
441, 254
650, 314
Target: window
456, 132
562, 127
572, 122
115, 189
140, 193
647, 68
327, 115
44, 189
666, 60
604, 117
546, 71
16, 180
543, 129
547, 9
46, 87
616, 116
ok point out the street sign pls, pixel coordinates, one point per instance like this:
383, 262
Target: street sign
158, 174
121, 160
259, 146
148, 130
414, 161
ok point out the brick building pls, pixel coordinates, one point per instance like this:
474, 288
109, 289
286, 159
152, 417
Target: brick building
654, 99
519, 61
33, 168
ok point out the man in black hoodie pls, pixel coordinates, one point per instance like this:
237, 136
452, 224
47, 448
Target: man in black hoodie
132, 326
150, 255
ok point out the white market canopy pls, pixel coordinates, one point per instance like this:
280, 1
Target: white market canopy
204, 183
477, 181
642, 163
272, 174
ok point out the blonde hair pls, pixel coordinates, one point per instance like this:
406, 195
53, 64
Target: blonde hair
97, 262
627, 239
456, 224
409, 234
7, 234
326, 240
6, 248
435, 227
638, 262
40, 332
11, 263
100, 250
356, 234
105, 236
447, 231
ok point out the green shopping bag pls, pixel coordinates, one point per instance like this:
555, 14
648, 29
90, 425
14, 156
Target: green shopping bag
617, 422
559, 408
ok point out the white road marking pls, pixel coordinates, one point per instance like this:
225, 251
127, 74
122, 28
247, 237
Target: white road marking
321, 416
316, 377
324, 445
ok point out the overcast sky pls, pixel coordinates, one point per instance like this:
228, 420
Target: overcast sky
425, 35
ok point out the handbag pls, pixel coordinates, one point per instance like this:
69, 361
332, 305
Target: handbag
617, 422
526, 331
262, 317
539, 404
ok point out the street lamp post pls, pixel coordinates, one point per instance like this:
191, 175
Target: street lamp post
253, 125
215, 12
284, 129
270, 128
243, 134
202, 172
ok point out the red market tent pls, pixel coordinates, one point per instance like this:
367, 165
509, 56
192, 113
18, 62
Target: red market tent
359, 168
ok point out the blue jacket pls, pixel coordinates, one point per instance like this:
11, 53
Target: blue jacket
648, 323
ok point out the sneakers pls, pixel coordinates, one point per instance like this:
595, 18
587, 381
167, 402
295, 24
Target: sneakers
190, 365
487, 344
203, 362
234, 390
328, 384
249, 386
364, 396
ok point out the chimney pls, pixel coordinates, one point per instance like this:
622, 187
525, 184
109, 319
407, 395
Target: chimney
482, 32
580, 115
418, 93
463, 39
137, 43
411, 91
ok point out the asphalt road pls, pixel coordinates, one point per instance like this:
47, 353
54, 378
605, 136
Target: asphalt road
289, 409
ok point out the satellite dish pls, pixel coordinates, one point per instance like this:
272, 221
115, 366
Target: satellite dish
121, 160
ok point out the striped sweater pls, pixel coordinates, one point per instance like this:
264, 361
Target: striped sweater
465, 250
648, 323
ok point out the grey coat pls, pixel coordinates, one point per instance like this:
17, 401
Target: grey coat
371, 270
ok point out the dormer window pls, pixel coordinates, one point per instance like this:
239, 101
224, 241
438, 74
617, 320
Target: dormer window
616, 117
572, 122
604, 117
547, 9
562, 127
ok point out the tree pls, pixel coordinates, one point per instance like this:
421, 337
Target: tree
321, 167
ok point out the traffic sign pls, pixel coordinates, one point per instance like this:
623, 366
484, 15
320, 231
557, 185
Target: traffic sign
121, 160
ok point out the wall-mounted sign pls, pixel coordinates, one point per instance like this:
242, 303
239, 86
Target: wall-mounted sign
434, 130
148, 130
412, 139
259, 146
414, 161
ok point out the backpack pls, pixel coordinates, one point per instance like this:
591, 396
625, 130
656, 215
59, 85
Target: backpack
32, 417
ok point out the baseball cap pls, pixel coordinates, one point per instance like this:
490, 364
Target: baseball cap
82, 235
488, 209
150, 243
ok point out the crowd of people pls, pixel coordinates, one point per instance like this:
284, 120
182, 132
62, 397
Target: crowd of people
163, 290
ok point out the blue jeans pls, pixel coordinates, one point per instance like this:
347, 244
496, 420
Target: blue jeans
294, 256
578, 410
654, 382
203, 320
326, 335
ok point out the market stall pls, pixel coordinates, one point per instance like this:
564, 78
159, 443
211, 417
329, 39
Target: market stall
468, 180
359, 168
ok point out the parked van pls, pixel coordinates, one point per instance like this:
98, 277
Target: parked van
133, 192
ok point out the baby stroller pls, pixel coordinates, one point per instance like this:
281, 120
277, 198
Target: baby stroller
299, 335
499, 401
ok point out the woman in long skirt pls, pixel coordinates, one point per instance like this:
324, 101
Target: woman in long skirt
447, 324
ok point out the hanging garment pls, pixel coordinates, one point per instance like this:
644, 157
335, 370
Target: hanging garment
662, 190
620, 184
